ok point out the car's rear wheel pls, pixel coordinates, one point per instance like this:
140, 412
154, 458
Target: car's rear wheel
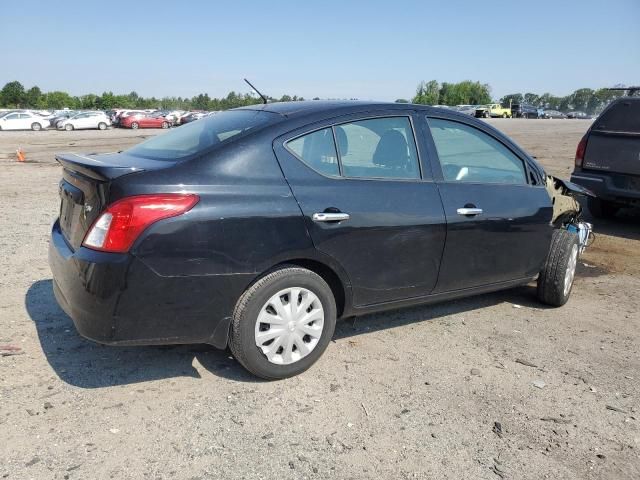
504, 115
165, 125
486, 115
556, 277
35, 126
68, 127
134, 125
601, 208
283, 323
102, 126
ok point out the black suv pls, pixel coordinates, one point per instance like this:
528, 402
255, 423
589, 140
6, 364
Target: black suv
257, 228
608, 158
522, 110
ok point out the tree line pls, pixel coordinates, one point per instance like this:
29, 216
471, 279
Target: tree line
475, 93
14, 95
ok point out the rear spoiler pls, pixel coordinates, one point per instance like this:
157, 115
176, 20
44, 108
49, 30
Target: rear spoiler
95, 166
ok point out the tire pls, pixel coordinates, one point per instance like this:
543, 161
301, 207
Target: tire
134, 125
255, 303
36, 127
601, 208
102, 126
68, 127
556, 277
487, 114
165, 125
504, 115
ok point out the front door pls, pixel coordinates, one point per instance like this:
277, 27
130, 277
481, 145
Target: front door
498, 219
366, 203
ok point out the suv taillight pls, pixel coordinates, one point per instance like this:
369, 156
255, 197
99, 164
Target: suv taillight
582, 147
122, 222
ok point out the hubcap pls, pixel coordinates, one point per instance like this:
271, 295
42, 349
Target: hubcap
289, 325
571, 270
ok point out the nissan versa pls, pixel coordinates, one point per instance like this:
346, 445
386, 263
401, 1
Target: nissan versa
257, 227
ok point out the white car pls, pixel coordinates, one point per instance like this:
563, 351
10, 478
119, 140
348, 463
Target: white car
23, 121
85, 120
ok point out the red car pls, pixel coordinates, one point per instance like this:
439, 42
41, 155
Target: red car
144, 121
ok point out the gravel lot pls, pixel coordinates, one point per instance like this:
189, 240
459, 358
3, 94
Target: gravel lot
444, 391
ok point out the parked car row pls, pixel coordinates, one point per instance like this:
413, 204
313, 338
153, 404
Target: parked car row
153, 119
96, 119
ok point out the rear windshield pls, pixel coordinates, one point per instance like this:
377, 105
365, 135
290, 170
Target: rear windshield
623, 116
198, 136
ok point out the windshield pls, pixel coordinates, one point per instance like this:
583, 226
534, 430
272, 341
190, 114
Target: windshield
201, 135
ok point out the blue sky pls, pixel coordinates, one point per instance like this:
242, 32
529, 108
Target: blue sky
330, 49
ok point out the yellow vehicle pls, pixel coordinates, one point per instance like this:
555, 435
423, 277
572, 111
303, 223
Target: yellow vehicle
494, 110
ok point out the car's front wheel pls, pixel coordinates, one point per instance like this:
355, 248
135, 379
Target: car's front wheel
556, 277
135, 125
68, 127
102, 126
165, 125
35, 126
283, 323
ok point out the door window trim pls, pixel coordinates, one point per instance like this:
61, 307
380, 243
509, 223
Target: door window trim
447, 118
333, 123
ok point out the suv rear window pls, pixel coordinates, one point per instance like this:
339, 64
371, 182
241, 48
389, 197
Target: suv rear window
198, 136
623, 116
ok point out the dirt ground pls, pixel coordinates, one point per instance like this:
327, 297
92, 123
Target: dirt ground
444, 391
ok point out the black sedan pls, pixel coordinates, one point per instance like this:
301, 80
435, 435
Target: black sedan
258, 227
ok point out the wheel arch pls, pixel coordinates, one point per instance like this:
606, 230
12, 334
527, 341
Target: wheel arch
340, 287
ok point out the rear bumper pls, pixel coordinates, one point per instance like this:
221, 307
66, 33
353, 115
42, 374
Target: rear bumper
116, 299
609, 186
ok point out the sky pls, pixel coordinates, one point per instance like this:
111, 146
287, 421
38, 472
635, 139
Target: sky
370, 50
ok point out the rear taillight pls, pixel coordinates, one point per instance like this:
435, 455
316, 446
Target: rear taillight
122, 222
582, 147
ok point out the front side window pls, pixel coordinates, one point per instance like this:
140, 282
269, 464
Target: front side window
378, 148
317, 150
469, 155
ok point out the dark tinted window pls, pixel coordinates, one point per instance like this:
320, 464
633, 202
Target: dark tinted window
318, 150
199, 136
623, 116
470, 155
378, 148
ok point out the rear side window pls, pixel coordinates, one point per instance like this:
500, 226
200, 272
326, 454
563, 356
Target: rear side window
378, 148
318, 151
373, 148
469, 155
196, 137
623, 116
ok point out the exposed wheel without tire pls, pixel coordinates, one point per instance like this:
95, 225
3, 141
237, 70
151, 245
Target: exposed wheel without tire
68, 127
35, 126
601, 208
102, 126
556, 277
283, 323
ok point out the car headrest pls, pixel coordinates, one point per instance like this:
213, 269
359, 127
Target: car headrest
392, 150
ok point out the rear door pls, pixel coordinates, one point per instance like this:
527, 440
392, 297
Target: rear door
498, 212
368, 202
614, 140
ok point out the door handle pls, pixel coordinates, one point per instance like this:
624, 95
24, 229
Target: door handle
330, 217
469, 211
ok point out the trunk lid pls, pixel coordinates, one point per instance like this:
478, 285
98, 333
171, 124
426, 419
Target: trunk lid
614, 139
85, 186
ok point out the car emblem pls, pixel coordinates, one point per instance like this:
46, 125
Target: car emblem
87, 208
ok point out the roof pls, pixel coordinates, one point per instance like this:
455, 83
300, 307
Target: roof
308, 107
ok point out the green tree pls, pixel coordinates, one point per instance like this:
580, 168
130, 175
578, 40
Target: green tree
511, 99
33, 97
12, 94
427, 93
